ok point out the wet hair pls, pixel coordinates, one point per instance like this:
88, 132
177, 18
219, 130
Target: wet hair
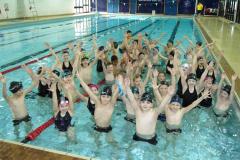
199, 43
146, 97
39, 71
109, 64
137, 76
141, 53
101, 48
227, 88
15, 86
135, 40
172, 53
200, 58
107, 90
177, 99
128, 31
114, 58
65, 51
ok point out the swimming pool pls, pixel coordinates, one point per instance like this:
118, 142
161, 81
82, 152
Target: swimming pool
202, 136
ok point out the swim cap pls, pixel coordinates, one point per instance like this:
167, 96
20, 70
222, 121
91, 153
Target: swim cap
170, 41
84, 57
157, 48
177, 99
93, 86
128, 31
63, 100
39, 71
56, 72
192, 76
146, 97
66, 73
199, 43
135, 90
227, 88
164, 83
185, 65
15, 86
101, 48
107, 91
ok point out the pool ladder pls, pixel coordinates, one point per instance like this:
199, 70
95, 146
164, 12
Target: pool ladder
33, 9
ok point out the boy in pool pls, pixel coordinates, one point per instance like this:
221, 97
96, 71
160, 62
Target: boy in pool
104, 105
224, 97
17, 104
175, 112
146, 115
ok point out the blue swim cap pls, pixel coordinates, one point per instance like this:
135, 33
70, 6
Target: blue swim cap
177, 99
66, 73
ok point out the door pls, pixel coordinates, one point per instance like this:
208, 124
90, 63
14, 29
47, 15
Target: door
113, 6
171, 7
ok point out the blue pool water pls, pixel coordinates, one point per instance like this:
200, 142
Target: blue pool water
202, 137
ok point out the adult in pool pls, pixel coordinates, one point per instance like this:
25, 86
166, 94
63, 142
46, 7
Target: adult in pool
16, 102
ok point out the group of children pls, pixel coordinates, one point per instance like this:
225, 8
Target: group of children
152, 85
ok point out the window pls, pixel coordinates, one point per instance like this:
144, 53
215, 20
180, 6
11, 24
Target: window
82, 6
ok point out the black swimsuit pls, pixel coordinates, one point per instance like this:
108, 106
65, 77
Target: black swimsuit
152, 141
27, 118
43, 90
69, 68
189, 98
199, 72
62, 123
205, 102
168, 65
91, 107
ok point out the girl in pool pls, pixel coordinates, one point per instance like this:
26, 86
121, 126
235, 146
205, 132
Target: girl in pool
63, 113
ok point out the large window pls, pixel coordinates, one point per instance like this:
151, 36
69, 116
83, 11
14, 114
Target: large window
82, 6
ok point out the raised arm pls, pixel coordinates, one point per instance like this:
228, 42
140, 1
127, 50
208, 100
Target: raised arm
148, 74
115, 94
220, 85
205, 95
54, 98
47, 45
155, 86
4, 87
87, 89
130, 94
234, 77
166, 99
183, 80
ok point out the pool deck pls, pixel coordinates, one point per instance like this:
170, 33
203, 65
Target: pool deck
227, 39
17, 151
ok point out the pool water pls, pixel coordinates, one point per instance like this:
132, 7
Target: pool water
203, 137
